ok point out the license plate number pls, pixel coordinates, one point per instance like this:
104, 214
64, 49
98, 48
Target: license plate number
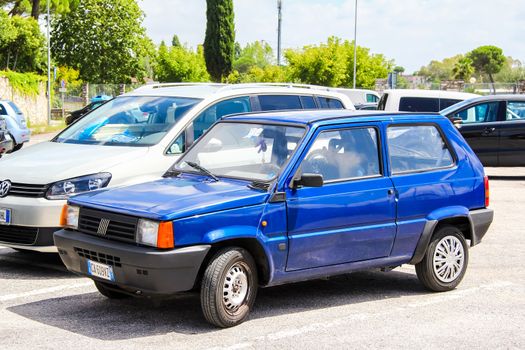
5, 216
100, 270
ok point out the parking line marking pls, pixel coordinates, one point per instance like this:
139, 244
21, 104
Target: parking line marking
42, 291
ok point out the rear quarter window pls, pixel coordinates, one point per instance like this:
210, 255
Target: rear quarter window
279, 102
416, 148
330, 103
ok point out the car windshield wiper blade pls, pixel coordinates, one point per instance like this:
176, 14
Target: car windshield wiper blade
202, 170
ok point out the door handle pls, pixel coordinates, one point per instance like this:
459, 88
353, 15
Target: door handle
488, 131
390, 192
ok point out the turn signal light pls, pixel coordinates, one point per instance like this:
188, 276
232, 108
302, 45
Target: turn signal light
165, 235
487, 192
63, 216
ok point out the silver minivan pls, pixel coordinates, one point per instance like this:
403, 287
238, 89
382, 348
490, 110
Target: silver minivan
16, 123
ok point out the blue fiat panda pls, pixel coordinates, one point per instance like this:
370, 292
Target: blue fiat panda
273, 198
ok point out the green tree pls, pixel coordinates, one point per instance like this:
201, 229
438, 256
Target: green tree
512, 71
180, 64
36, 7
175, 41
220, 38
463, 69
257, 54
487, 59
436, 71
104, 40
398, 69
22, 44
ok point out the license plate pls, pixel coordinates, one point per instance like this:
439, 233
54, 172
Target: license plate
100, 270
5, 216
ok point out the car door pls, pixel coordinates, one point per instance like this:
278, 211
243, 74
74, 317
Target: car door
352, 216
479, 126
512, 135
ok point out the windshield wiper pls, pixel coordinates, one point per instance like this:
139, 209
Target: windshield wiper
202, 170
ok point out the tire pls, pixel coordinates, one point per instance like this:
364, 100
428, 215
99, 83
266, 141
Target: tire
17, 147
440, 270
109, 293
225, 304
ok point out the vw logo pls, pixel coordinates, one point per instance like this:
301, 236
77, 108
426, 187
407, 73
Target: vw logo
5, 186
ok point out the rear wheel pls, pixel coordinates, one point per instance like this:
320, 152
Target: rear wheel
445, 261
229, 287
109, 293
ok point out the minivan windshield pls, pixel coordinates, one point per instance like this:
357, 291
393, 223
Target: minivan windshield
250, 151
128, 121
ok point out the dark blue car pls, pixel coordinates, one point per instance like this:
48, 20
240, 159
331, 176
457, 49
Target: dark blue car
273, 198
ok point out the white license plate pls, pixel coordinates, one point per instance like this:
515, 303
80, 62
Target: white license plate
5, 216
100, 270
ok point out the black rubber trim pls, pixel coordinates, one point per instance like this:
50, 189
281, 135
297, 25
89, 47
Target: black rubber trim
480, 221
423, 242
143, 271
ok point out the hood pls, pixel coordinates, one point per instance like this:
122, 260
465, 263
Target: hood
173, 198
48, 162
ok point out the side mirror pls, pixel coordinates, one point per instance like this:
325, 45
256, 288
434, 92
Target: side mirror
308, 180
456, 121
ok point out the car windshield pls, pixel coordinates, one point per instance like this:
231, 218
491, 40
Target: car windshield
255, 152
128, 121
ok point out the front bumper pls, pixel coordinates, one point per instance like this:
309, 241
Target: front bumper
138, 270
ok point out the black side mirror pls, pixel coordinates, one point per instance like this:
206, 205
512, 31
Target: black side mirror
308, 180
456, 120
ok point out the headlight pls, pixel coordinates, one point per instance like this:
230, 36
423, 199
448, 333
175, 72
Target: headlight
66, 188
69, 218
155, 234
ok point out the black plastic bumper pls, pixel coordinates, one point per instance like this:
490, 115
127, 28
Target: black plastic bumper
138, 270
27, 236
480, 221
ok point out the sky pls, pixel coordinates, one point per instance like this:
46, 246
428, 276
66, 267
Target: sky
411, 32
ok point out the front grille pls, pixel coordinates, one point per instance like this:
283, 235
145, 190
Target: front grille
98, 257
18, 234
120, 227
28, 190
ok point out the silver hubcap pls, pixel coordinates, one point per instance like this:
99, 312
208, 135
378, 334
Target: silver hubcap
235, 287
449, 258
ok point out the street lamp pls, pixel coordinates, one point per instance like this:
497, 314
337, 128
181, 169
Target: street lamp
279, 20
355, 41
48, 67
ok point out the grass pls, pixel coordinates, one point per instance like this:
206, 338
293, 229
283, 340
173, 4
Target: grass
55, 126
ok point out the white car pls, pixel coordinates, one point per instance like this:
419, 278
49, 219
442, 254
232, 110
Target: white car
134, 138
16, 123
359, 96
413, 100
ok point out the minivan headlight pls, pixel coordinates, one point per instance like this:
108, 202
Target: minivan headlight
64, 189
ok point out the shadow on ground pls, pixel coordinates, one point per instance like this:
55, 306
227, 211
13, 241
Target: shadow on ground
94, 316
29, 265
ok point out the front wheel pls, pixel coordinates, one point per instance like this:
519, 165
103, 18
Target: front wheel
229, 287
108, 292
445, 261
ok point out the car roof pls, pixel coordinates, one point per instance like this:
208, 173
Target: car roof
325, 117
429, 93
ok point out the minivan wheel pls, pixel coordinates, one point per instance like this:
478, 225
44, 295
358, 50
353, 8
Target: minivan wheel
445, 261
109, 293
229, 287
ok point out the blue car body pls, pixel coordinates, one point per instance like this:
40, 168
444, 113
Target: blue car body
293, 234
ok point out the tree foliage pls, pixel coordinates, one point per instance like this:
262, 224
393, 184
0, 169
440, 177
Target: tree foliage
175, 41
511, 72
257, 54
36, 7
22, 44
180, 64
104, 40
436, 71
331, 64
220, 38
487, 59
463, 69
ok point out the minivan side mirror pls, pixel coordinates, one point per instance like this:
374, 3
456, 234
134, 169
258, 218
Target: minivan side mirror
308, 180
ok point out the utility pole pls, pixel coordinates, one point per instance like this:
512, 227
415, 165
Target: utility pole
279, 9
48, 67
355, 41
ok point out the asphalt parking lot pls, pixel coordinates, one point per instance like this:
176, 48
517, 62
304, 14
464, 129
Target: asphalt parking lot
43, 306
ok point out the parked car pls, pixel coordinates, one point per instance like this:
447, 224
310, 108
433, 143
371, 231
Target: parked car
366, 106
16, 124
494, 126
274, 198
132, 138
359, 96
410, 100
6, 142
96, 102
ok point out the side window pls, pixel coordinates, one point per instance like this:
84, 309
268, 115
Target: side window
308, 102
417, 148
447, 102
515, 110
371, 98
418, 104
483, 112
206, 119
279, 102
330, 103
3, 111
344, 154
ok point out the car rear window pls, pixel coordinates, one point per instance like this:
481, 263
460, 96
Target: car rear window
415, 148
279, 102
3, 111
425, 104
330, 103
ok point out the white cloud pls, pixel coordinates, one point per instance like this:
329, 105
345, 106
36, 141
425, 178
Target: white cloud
412, 32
